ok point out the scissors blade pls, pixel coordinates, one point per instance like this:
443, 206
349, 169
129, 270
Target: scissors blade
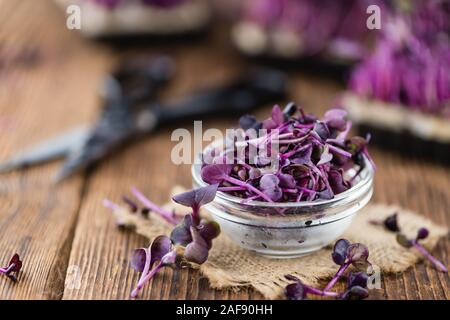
115, 127
47, 150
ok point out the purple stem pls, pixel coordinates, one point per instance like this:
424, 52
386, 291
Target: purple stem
145, 279
165, 214
298, 140
322, 293
8, 270
293, 152
430, 257
339, 151
225, 189
110, 205
247, 186
337, 276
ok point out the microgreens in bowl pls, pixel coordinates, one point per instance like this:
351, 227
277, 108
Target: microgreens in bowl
14, 266
344, 254
391, 224
189, 241
301, 158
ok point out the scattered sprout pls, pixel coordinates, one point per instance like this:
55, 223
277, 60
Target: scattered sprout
422, 233
344, 254
14, 266
299, 291
391, 224
159, 254
190, 239
165, 214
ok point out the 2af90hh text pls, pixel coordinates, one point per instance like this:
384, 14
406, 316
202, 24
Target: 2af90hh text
242, 309
223, 309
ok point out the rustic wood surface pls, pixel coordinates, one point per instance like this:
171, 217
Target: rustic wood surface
63, 231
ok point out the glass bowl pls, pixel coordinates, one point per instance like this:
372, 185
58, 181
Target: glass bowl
290, 229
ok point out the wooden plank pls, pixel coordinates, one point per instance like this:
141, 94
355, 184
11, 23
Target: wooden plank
39, 98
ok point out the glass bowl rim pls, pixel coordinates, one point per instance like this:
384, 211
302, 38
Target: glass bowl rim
367, 174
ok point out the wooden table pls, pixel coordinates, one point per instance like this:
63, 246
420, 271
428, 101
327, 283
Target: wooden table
62, 230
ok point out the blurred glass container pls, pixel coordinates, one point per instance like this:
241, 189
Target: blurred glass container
111, 18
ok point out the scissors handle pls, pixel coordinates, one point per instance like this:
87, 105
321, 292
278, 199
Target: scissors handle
258, 88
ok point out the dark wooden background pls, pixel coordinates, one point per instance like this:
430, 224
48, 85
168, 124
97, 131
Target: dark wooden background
48, 81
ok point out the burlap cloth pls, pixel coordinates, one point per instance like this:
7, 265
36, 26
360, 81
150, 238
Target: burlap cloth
231, 267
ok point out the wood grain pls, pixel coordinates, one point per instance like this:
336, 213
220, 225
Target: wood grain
37, 220
64, 232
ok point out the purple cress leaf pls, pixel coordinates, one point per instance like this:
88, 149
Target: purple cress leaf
197, 197
197, 250
339, 253
139, 258
181, 234
357, 279
269, 185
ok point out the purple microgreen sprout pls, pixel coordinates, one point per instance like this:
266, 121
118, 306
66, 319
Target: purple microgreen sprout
422, 233
193, 233
165, 214
391, 224
356, 288
346, 254
197, 198
299, 290
149, 261
14, 266
190, 240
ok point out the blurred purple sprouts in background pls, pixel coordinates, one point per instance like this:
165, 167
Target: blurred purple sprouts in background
411, 62
336, 28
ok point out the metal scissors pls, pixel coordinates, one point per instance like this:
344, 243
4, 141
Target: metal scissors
131, 110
